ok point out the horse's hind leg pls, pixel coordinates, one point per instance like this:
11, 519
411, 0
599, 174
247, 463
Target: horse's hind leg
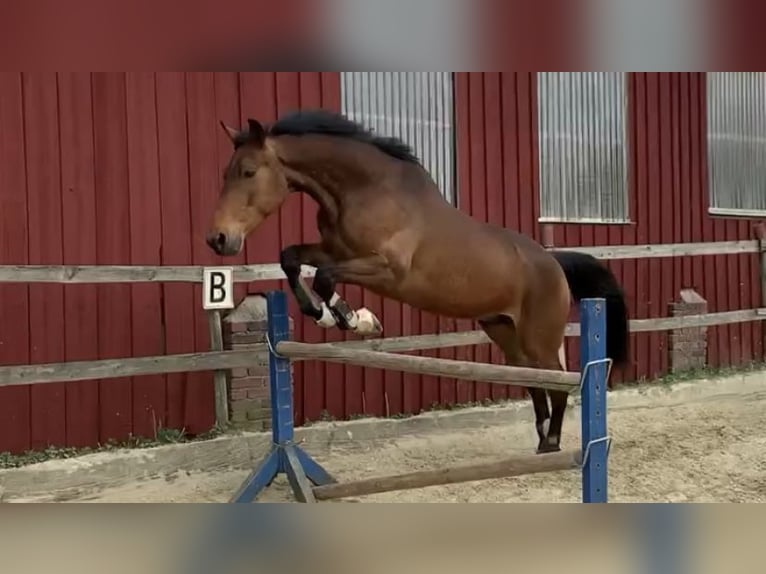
558, 407
545, 354
502, 331
559, 402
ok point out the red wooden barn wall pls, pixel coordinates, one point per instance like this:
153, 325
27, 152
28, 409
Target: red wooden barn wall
122, 168
669, 204
668, 194
110, 169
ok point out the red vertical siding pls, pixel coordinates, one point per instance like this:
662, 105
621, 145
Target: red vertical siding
675, 192
15, 403
44, 214
654, 275
112, 247
668, 203
205, 180
79, 229
178, 299
145, 243
120, 168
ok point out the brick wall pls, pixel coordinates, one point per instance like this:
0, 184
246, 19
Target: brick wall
688, 347
249, 396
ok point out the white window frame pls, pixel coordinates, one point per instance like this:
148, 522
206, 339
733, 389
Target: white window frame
583, 128
740, 177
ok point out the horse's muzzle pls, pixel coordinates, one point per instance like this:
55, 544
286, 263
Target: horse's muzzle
223, 244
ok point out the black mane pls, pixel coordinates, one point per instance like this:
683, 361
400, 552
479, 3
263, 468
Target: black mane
324, 122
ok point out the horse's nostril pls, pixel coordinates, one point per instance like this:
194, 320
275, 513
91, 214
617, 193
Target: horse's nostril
224, 244
217, 241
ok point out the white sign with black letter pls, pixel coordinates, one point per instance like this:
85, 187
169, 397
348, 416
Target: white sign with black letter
218, 288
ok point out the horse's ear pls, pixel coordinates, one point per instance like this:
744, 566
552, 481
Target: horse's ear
231, 132
257, 134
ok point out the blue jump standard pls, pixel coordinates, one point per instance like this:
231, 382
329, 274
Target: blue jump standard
303, 472
595, 374
285, 457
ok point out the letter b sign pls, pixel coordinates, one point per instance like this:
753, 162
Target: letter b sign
218, 288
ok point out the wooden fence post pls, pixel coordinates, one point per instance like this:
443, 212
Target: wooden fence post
221, 391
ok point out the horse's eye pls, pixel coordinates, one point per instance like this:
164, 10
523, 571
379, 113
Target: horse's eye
248, 174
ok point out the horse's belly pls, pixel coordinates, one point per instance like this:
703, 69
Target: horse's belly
458, 296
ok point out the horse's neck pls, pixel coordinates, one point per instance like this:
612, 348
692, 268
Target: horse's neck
323, 172
305, 175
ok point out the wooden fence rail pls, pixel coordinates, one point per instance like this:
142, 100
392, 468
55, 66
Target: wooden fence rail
465, 370
74, 274
218, 360
519, 465
127, 367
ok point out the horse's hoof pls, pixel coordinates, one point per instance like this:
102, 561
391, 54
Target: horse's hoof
367, 323
548, 448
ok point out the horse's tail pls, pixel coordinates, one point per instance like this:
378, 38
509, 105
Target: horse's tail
588, 278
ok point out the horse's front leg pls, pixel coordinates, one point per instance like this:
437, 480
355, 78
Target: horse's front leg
309, 302
372, 272
328, 310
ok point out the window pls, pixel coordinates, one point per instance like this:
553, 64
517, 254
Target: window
416, 107
583, 147
736, 142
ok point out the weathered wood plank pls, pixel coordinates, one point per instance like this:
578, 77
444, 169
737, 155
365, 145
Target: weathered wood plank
615, 252
75, 274
117, 368
706, 320
416, 342
467, 338
506, 468
466, 370
247, 273
131, 367
219, 377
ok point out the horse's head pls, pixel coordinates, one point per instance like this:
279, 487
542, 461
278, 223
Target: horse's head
254, 187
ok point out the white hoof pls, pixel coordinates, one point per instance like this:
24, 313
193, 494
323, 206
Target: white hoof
367, 323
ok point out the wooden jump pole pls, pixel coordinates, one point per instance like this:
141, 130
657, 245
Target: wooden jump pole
509, 467
466, 370
310, 482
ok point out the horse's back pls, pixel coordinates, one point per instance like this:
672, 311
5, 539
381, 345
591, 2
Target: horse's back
545, 286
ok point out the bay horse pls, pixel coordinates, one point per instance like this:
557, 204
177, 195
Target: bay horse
385, 227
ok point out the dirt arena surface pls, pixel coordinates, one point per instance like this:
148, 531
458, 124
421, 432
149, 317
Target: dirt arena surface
707, 447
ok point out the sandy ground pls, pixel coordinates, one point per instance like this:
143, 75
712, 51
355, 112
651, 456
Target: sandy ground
711, 450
